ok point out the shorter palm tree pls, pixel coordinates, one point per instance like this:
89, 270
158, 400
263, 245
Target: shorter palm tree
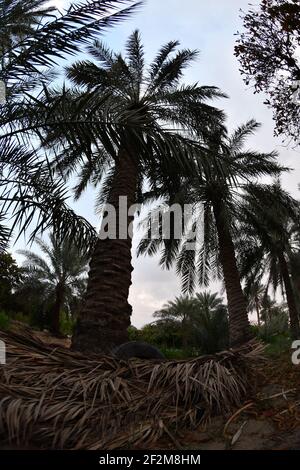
217, 187
180, 311
211, 322
202, 321
61, 274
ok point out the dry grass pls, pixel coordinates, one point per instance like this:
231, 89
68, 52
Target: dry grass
58, 399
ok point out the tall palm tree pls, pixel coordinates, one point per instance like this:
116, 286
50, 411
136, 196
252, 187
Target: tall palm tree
61, 273
217, 188
147, 107
264, 240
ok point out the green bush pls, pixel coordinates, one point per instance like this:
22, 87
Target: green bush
133, 333
278, 344
4, 321
19, 316
67, 324
278, 325
177, 353
173, 353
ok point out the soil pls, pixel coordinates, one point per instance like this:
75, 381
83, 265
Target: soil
269, 421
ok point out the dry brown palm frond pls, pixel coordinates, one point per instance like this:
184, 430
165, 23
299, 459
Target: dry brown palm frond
57, 399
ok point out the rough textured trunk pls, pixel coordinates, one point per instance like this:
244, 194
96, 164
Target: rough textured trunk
59, 298
290, 297
239, 327
105, 315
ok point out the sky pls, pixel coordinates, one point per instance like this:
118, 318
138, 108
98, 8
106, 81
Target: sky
210, 27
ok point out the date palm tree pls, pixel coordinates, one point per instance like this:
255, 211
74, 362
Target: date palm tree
148, 109
202, 321
211, 322
180, 310
60, 272
265, 242
217, 188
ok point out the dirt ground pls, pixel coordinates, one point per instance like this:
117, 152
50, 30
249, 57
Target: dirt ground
270, 420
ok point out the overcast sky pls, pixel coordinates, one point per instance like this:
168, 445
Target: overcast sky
210, 28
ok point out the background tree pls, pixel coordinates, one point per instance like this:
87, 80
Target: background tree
275, 319
268, 52
61, 274
31, 303
10, 278
191, 325
180, 312
211, 323
264, 245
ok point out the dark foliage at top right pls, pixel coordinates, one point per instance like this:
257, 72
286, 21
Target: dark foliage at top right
268, 50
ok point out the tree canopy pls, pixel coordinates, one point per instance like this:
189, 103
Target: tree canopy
268, 52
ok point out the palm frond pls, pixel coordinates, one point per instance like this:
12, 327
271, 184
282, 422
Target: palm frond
97, 403
54, 39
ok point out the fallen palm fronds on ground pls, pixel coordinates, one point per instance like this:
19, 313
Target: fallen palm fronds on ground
55, 398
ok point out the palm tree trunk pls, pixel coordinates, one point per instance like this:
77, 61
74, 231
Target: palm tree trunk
239, 327
59, 297
290, 297
105, 315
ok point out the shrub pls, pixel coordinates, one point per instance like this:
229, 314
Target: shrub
279, 344
21, 317
276, 325
67, 324
133, 333
4, 321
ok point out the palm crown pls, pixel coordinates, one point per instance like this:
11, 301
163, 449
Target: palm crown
146, 111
